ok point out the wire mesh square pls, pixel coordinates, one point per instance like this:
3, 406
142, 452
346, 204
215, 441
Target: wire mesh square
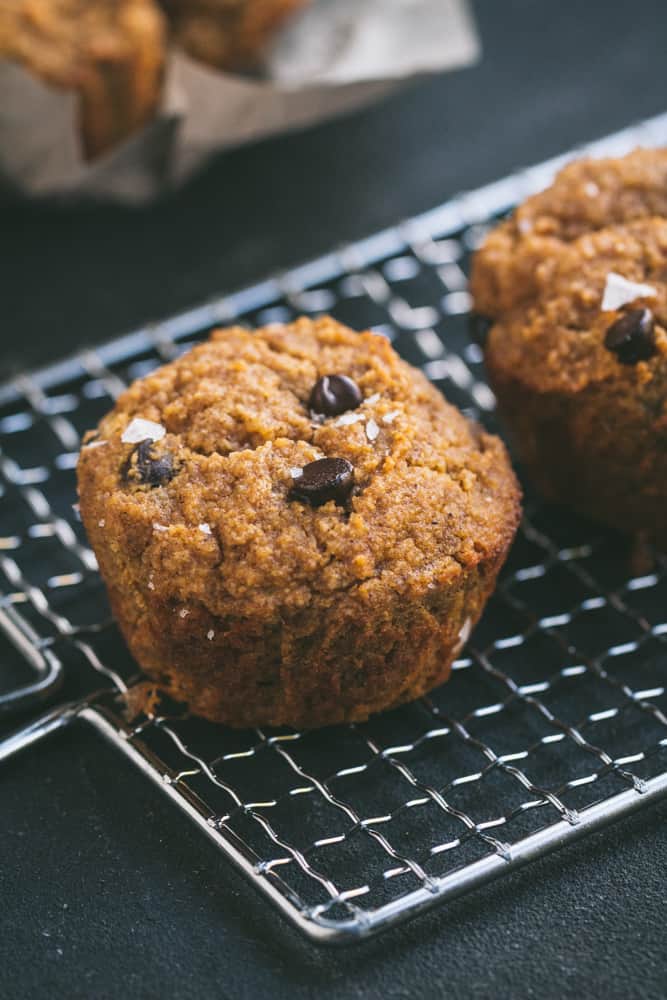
554, 720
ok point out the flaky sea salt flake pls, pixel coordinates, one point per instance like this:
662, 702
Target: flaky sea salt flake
372, 430
372, 399
618, 291
348, 418
184, 612
210, 634
205, 528
159, 527
389, 418
296, 472
139, 429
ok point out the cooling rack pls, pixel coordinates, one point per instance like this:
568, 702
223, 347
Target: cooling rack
553, 724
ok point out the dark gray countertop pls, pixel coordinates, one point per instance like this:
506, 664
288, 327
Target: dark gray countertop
106, 892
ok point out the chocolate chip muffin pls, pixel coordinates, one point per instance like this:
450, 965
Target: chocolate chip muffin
110, 53
294, 526
228, 34
578, 353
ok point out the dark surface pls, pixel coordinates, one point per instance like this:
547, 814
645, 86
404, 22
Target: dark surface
105, 891
553, 74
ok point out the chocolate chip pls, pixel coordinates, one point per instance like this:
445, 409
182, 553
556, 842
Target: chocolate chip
632, 337
146, 468
334, 394
323, 480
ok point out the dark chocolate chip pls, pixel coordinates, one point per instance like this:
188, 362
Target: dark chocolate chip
142, 466
323, 480
632, 337
478, 328
334, 394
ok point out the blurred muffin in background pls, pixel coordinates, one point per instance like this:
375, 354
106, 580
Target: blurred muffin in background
110, 52
228, 34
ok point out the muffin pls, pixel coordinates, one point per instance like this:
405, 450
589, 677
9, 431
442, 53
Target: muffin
228, 34
577, 355
586, 196
294, 526
110, 53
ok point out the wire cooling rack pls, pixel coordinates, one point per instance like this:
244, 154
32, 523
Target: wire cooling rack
553, 722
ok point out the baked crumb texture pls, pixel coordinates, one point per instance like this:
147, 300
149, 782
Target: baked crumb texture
256, 600
576, 284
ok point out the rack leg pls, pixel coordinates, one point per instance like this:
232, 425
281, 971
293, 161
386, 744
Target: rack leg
44, 725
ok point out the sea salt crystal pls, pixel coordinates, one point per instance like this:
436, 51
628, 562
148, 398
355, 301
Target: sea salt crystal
184, 612
372, 430
95, 444
151, 585
372, 399
205, 528
389, 418
296, 472
101, 523
348, 418
210, 634
159, 527
618, 291
591, 189
140, 430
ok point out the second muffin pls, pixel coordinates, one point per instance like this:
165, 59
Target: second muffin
303, 533
576, 282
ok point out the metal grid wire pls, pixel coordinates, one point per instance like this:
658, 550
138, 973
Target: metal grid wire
553, 723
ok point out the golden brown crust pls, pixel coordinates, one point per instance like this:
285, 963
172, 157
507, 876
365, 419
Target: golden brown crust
591, 429
110, 52
275, 611
228, 34
586, 196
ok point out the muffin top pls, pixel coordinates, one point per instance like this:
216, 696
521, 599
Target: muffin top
586, 196
599, 312
591, 194
209, 472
